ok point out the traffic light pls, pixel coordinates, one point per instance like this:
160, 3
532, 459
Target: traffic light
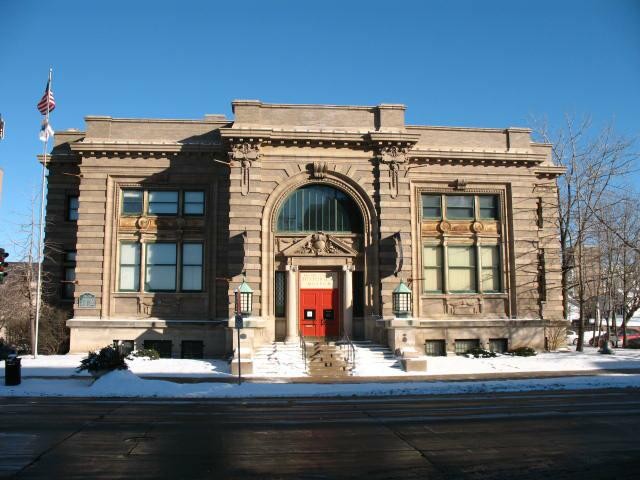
3, 264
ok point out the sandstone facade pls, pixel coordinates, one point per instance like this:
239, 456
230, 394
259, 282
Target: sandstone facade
402, 189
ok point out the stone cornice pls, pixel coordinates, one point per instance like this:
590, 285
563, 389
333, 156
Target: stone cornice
551, 171
478, 155
147, 147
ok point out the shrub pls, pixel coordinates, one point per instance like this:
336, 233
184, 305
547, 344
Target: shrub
522, 352
108, 358
5, 350
478, 352
149, 353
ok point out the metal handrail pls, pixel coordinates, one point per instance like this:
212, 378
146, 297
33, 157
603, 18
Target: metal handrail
351, 350
303, 348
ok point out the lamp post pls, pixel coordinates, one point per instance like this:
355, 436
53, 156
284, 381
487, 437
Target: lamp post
243, 305
401, 301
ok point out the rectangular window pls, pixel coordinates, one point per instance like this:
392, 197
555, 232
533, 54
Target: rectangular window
432, 206
498, 345
161, 267
132, 202
125, 346
490, 268
163, 202
129, 267
463, 346
193, 203
460, 207
462, 269
432, 261
163, 347
488, 207
72, 208
69, 275
435, 348
358, 293
192, 267
280, 293
192, 349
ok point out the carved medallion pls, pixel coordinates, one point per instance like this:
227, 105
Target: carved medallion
143, 223
245, 153
444, 226
477, 227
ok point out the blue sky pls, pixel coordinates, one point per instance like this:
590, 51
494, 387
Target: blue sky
468, 63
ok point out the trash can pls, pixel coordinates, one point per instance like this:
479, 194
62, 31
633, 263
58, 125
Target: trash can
12, 371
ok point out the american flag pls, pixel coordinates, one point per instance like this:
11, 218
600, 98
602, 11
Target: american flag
47, 103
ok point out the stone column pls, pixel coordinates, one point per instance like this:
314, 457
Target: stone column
292, 304
347, 300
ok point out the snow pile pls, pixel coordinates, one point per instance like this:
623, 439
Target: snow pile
123, 383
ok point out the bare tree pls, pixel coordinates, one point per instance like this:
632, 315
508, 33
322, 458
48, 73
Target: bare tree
18, 308
596, 164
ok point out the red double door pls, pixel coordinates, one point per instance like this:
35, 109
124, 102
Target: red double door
319, 312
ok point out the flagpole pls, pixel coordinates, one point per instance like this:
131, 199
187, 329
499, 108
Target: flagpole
41, 232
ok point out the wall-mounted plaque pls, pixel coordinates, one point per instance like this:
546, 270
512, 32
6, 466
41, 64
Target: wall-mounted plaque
87, 300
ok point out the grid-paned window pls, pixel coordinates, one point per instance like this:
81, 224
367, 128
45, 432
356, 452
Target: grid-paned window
488, 207
163, 202
315, 208
462, 346
435, 348
432, 261
462, 268
132, 202
129, 267
460, 207
193, 203
280, 293
161, 266
431, 206
73, 203
192, 260
490, 268
69, 275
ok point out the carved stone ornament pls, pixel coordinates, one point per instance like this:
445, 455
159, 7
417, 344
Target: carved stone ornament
319, 170
444, 226
394, 156
319, 244
460, 184
245, 153
465, 306
143, 223
477, 227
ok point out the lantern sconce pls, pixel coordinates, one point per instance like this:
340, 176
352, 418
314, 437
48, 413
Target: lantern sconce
244, 299
402, 301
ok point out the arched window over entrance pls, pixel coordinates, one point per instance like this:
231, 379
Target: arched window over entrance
314, 208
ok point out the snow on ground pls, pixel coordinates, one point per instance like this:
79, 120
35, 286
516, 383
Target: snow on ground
66, 365
126, 384
367, 365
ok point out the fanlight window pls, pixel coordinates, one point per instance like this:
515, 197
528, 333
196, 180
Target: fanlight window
314, 208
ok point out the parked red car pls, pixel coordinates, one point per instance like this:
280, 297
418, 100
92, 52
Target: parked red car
633, 335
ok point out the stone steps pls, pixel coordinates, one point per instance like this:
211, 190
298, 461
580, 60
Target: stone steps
279, 359
327, 360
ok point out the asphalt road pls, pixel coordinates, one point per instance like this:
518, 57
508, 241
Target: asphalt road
558, 435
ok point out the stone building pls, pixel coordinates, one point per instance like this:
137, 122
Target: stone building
323, 210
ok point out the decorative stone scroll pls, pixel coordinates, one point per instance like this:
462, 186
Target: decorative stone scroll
319, 244
394, 156
245, 153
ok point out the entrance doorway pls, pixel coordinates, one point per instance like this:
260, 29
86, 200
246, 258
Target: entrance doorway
319, 304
